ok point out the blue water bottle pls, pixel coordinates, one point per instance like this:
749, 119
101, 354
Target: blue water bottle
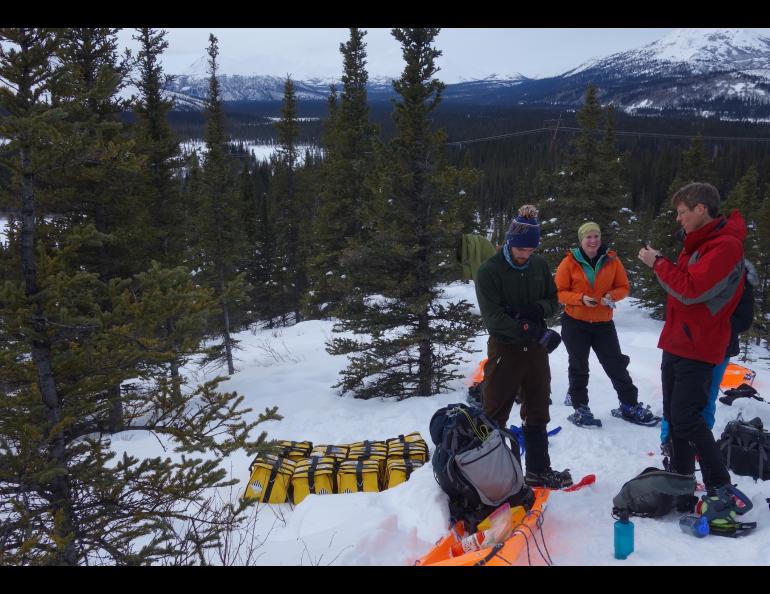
624, 535
696, 525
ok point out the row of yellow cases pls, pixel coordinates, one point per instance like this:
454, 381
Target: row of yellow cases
297, 469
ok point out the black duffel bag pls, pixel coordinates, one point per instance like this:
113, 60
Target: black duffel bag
745, 447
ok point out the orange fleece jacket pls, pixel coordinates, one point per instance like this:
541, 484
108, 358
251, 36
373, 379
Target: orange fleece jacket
572, 283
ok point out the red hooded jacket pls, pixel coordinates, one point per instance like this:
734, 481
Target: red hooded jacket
704, 287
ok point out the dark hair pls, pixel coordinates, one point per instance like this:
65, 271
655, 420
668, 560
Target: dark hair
698, 193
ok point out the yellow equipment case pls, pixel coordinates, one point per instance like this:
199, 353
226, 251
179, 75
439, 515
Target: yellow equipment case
317, 475
411, 446
297, 468
370, 450
398, 470
270, 478
338, 452
294, 450
356, 476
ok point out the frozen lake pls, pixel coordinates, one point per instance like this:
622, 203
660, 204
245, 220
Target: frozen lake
261, 152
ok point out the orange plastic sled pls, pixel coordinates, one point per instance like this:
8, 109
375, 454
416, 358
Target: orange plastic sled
735, 375
478, 375
506, 555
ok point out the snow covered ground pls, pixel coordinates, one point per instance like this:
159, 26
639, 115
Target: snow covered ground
289, 367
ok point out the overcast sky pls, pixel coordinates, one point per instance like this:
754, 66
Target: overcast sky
467, 53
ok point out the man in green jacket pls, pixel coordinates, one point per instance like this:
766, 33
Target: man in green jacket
516, 292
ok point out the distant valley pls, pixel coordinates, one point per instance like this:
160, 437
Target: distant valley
723, 73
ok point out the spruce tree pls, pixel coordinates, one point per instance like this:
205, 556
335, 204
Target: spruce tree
413, 340
159, 146
291, 217
219, 235
160, 189
665, 232
762, 329
745, 198
101, 186
589, 187
346, 191
257, 215
69, 336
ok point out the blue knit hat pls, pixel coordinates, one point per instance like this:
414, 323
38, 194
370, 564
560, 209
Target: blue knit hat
524, 231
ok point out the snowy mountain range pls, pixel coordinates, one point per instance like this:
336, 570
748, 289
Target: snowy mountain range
723, 72
238, 87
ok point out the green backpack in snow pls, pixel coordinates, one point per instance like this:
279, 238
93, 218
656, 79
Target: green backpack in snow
653, 493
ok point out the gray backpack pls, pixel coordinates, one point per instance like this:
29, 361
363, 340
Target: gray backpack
475, 465
492, 469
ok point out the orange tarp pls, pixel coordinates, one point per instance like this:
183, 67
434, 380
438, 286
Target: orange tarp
735, 375
478, 375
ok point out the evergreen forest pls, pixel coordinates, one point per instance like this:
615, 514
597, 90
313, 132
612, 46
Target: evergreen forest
128, 260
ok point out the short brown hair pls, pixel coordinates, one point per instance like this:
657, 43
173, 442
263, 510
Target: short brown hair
698, 193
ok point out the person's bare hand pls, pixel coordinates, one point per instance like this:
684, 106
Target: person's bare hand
648, 254
608, 300
589, 301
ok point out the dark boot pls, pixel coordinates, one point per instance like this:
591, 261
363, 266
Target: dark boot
549, 478
665, 451
538, 462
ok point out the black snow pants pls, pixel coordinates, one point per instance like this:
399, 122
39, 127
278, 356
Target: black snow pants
579, 338
686, 384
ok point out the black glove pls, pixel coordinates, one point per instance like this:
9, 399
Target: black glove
742, 391
511, 310
529, 330
550, 340
532, 312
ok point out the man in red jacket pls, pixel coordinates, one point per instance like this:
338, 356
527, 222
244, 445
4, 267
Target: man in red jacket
704, 287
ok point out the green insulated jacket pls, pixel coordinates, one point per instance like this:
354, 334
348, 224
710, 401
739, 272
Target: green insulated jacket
472, 250
499, 285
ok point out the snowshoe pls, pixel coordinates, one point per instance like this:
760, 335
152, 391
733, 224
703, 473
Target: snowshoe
725, 502
722, 508
638, 414
583, 417
519, 433
549, 479
588, 479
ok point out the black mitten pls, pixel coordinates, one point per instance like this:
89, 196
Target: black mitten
550, 340
532, 312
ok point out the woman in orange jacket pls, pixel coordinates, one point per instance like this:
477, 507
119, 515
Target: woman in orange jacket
589, 280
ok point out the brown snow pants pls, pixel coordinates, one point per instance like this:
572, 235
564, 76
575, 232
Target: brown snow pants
509, 367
